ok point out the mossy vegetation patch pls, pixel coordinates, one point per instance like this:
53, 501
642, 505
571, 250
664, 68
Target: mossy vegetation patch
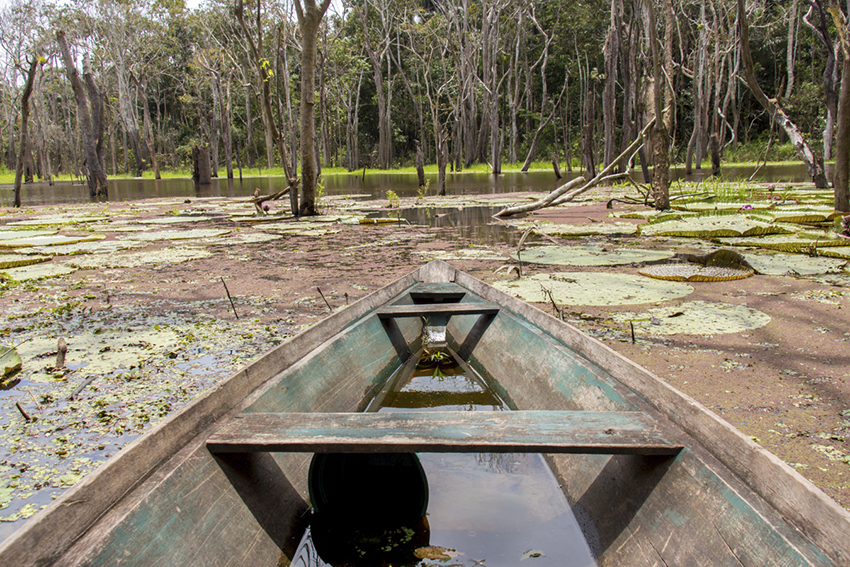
589, 255
593, 288
694, 318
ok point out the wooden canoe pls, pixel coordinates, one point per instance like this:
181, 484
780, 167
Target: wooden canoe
658, 478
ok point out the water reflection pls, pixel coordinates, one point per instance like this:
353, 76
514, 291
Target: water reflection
374, 184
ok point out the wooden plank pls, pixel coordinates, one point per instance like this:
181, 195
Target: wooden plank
445, 432
432, 309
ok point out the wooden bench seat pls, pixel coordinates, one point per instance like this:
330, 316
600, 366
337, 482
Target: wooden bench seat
445, 432
436, 309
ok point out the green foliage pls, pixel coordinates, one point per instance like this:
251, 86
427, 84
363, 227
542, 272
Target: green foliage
394, 199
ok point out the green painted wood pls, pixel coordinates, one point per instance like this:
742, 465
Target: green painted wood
441, 432
432, 309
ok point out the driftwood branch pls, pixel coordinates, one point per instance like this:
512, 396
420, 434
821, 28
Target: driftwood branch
568, 191
258, 199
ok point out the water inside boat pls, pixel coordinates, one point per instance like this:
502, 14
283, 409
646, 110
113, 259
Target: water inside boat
482, 508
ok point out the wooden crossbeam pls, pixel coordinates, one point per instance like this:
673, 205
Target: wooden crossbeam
445, 432
434, 309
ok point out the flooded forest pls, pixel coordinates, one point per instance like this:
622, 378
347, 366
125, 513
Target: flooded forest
107, 88
185, 186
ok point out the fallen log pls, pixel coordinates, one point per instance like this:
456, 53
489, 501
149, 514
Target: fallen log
568, 191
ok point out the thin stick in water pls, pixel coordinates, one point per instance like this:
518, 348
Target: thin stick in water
331, 309
230, 298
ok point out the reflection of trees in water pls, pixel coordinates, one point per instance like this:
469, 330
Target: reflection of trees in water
505, 463
306, 554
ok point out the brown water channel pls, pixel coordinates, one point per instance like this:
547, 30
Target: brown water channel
483, 509
373, 184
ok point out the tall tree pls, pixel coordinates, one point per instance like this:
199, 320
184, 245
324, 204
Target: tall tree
309, 17
25, 112
89, 118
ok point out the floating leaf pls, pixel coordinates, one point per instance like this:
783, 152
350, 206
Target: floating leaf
39, 271
48, 240
175, 220
532, 554
18, 260
178, 234
781, 264
14, 234
435, 553
712, 226
135, 259
10, 362
696, 318
598, 228
593, 288
590, 255
718, 266
801, 243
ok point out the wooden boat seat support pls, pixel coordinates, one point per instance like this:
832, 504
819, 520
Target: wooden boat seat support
606, 433
438, 315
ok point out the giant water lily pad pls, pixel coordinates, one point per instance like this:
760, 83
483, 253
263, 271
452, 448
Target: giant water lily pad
782, 264
592, 229
803, 243
712, 226
39, 271
695, 318
463, 254
590, 255
718, 266
178, 234
87, 247
19, 260
703, 206
136, 259
690, 272
836, 252
59, 219
48, 240
593, 288
250, 238
15, 234
175, 219
802, 215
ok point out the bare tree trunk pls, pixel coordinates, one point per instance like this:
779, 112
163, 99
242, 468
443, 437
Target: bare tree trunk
813, 163
610, 53
89, 121
841, 179
658, 136
25, 114
309, 17
128, 118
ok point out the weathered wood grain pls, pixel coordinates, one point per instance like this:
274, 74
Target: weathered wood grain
432, 309
442, 432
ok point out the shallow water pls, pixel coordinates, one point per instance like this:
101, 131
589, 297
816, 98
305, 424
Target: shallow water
374, 184
483, 508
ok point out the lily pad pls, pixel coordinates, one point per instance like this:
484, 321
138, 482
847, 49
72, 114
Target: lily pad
10, 361
590, 255
135, 259
689, 272
178, 234
18, 260
48, 240
88, 247
801, 243
781, 264
593, 288
174, 220
14, 234
712, 226
696, 318
835, 252
59, 219
591, 229
39, 271
463, 254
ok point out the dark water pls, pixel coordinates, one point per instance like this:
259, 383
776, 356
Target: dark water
483, 508
375, 184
